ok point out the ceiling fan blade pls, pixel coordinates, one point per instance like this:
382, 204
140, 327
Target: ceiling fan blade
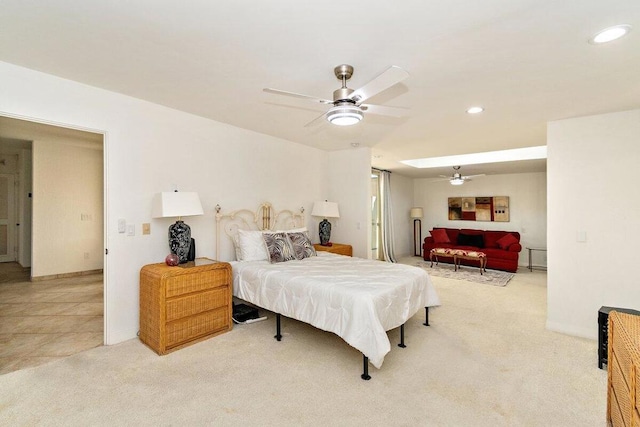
472, 176
388, 78
316, 121
296, 95
384, 111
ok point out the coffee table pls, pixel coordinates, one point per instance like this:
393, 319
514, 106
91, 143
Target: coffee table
481, 257
457, 255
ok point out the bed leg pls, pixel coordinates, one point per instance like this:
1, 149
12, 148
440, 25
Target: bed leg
401, 345
365, 375
278, 336
426, 316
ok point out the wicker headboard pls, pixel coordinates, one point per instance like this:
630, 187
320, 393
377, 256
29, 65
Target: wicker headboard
263, 218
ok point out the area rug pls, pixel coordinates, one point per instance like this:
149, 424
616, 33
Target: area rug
470, 274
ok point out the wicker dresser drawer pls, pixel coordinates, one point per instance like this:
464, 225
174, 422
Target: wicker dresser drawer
185, 284
182, 305
623, 400
621, 391
189, 305
189, 328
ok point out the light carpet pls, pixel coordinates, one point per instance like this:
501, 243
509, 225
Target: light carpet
468, 273
486, 360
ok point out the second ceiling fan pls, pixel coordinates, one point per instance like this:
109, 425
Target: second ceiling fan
457, 178
348, 106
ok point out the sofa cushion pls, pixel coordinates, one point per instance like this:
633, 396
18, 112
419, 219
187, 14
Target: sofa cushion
475, 240
440, 235
506, 241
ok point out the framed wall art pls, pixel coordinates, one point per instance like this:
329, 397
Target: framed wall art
494, 208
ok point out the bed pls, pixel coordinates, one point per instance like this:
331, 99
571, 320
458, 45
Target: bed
357, 299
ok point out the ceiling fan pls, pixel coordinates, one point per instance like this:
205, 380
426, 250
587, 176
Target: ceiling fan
457, 178
347, 107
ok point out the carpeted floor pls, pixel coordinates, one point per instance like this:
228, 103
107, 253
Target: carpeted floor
486, 360
470, 274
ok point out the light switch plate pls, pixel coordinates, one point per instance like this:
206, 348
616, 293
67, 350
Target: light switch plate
122, 225
131, 230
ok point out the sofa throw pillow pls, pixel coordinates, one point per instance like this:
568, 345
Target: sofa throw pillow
475, 240
440, 235
507, 240
278, 247
301, 245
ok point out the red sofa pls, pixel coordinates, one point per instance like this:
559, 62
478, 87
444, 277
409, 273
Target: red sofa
501, 247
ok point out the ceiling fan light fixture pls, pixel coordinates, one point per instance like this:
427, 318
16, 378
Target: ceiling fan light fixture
475, 110
344, 115
456, 181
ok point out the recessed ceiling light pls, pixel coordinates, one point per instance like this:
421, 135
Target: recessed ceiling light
475, 110
610, 34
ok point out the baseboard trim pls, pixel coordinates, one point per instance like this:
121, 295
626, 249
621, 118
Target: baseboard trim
66, 275
590, 333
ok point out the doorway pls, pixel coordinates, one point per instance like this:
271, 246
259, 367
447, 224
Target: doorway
7, 216
58, 184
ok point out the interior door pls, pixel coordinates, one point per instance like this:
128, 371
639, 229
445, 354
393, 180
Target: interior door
7, 218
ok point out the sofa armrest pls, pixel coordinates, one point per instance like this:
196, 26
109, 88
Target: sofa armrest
515, 247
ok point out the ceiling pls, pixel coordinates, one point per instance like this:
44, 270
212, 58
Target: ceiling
527, 62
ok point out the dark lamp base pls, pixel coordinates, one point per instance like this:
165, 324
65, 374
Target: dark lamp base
325, 232
180, 240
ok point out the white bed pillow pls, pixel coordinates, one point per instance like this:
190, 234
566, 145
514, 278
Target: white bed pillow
252, 246
236, 246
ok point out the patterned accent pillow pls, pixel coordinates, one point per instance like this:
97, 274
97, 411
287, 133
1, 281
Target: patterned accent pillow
301, 245
278, 247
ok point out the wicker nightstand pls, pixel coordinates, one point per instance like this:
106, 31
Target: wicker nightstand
182, 305
336, 248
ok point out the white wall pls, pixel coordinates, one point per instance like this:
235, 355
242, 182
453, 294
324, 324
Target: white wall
402, 194
349, 179
68, 207
593, 172
527, 206
150, 148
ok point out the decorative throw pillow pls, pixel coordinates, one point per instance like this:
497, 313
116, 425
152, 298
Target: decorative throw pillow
507, 240
475, 240
440, 235
301, 245
278, 247
252, 246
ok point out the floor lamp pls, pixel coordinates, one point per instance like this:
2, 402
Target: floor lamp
416, 214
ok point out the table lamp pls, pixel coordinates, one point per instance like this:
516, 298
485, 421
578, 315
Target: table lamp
325, 210
178, 204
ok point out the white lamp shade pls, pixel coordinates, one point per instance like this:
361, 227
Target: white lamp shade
172, 204
325, 210
416, 213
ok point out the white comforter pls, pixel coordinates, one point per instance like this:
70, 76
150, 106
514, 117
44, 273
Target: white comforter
357, 299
